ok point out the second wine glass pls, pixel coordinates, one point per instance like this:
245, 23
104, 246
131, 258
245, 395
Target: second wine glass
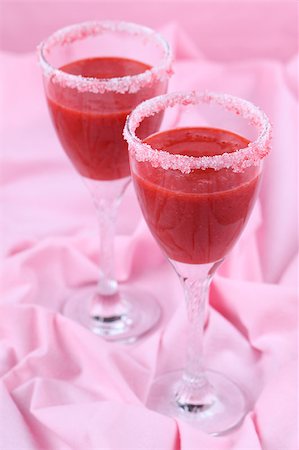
196, 184
94, 74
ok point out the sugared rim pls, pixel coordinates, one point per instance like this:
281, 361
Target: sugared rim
238, 160
130, 84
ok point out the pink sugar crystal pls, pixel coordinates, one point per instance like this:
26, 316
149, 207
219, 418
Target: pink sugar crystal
237, 161
130, 84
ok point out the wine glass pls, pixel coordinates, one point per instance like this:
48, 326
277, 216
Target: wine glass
196, 186
94, 74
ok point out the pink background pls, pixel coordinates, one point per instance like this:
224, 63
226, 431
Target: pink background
62, 387
224, 30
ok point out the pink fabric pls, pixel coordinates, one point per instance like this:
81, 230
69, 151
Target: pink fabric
62, 387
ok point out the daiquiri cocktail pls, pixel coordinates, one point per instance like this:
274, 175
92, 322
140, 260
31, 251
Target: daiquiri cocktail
196, 186
94, 74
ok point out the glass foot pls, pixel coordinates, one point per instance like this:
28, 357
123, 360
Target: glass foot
132, 314
223, 414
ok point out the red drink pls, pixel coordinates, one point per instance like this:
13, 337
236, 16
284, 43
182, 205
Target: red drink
196, 218
90, 125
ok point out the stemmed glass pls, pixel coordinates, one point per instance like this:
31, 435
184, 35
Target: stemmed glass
94, 74
196, 186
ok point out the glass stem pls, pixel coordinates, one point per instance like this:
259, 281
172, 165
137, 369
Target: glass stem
106, 304
194, 392
107, 213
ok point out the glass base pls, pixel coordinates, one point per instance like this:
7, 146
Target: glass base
131, 315
225, 413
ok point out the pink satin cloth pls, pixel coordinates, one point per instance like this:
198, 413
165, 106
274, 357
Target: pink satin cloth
63, 388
